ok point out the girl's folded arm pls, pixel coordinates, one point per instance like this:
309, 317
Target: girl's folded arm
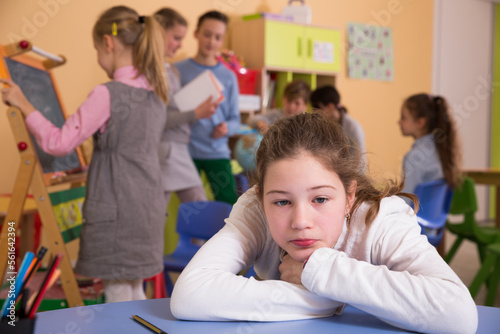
408, 285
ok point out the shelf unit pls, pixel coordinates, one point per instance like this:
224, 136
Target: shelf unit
287, 51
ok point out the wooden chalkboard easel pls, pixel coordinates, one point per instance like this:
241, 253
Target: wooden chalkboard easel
31, 175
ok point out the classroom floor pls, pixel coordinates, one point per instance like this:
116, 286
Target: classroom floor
466, 264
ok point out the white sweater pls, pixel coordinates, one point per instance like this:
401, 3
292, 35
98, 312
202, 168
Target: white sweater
388, 270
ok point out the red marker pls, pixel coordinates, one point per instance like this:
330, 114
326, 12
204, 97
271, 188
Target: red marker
50, 278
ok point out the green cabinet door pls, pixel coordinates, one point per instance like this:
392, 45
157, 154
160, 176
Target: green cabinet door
284, 44
322, 49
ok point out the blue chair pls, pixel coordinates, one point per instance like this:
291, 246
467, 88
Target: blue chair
435, 200
250, 272
195, 221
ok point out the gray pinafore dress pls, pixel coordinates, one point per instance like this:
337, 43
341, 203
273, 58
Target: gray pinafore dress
124, 211
178, 169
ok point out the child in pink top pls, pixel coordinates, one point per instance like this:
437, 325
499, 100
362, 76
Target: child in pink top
90, 117
124, 211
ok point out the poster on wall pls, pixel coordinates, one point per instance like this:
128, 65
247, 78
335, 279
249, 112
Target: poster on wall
370, 53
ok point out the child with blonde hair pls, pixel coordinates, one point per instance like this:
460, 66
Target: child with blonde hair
179, 172
121, 239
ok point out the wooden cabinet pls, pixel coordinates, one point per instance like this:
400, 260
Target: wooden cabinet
283, 44
285, 51
322, 49
277, 44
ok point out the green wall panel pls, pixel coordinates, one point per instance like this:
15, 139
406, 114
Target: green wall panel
495, 106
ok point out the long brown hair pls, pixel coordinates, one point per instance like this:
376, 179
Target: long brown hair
324, 139
438, 121
143, 34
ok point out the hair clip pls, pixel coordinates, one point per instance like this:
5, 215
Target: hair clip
141, 19
114, 29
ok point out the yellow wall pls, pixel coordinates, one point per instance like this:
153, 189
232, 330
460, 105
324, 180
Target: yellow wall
64, 27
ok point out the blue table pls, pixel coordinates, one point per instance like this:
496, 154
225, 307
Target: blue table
116, 318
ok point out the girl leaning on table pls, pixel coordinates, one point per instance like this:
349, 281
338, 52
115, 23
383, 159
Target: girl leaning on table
320, 236
121, 240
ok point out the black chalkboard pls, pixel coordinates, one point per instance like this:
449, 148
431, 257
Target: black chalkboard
38, 88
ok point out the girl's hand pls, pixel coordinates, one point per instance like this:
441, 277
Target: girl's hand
206, 109
220, 130
291, 270
14, 97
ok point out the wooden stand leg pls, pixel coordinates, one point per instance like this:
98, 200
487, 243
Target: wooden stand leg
16, 206
27, 234
56, 243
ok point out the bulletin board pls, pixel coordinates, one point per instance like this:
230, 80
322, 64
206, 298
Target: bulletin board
370, 52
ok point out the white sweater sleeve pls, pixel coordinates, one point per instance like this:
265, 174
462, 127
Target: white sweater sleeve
209, 288
404, 282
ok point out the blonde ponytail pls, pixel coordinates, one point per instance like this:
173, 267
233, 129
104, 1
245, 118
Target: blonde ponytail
141, 33
148, 56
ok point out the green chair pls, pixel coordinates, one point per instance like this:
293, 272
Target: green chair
489, 273
464, 203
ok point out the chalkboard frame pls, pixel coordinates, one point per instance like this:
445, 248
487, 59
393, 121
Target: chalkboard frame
38, 63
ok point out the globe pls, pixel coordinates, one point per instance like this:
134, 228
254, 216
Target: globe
244, 150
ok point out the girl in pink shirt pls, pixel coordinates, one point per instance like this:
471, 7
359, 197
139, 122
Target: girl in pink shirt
124, 211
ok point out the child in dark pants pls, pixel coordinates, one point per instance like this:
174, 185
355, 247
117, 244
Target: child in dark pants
209, 137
